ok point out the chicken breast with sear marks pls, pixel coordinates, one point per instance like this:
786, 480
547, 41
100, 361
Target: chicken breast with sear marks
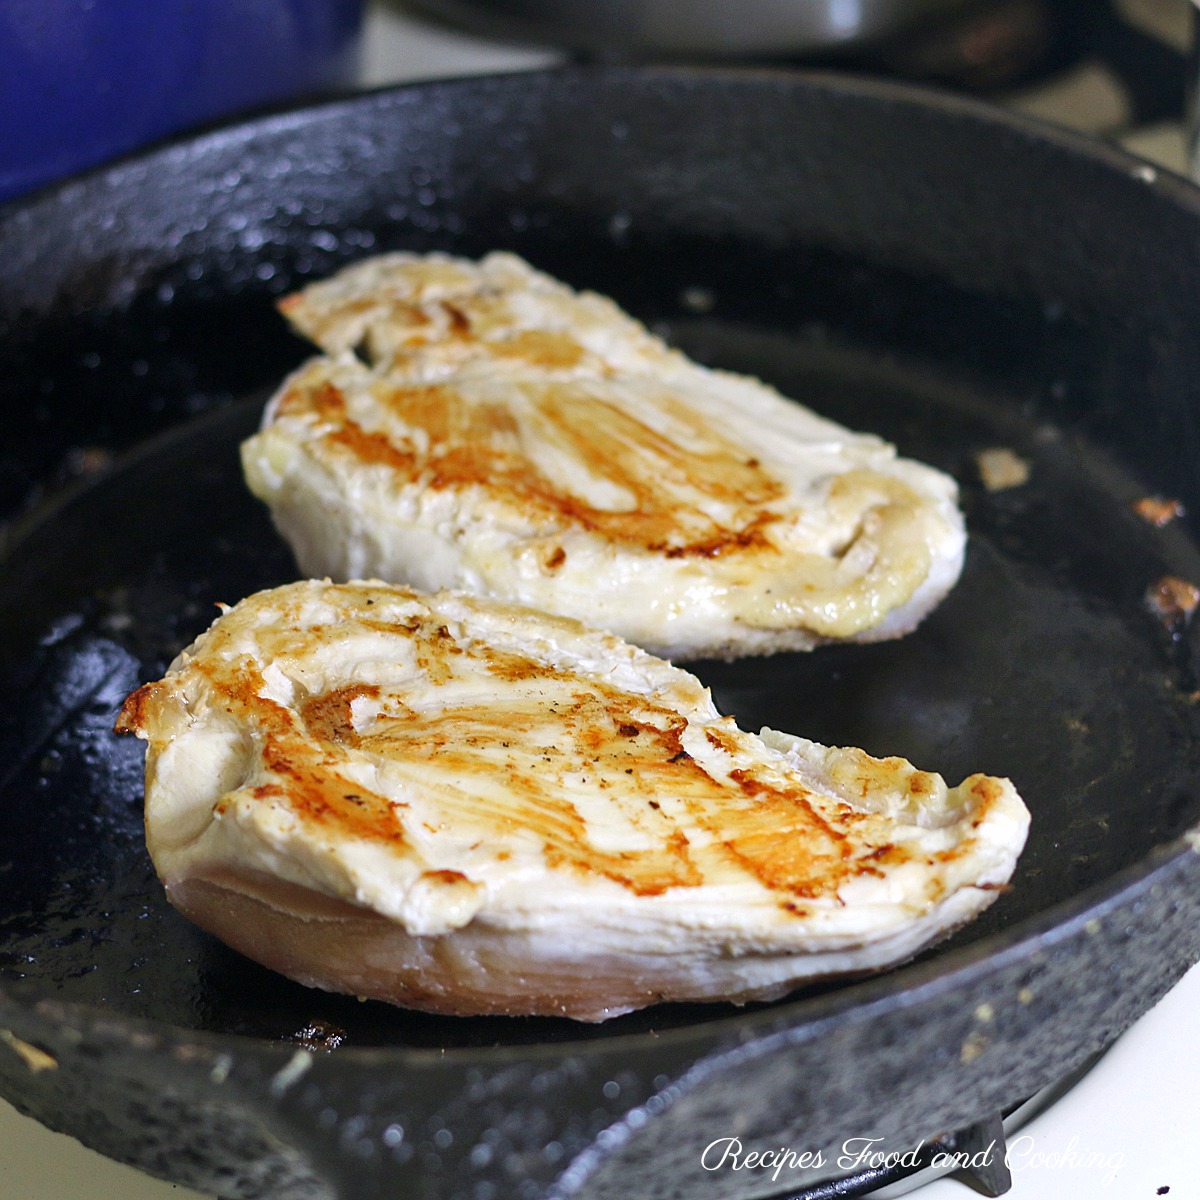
483, 427
469, 807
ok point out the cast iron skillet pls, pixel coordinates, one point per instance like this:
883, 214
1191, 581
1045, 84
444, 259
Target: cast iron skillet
929, 268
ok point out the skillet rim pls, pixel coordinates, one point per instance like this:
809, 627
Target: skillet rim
276, 119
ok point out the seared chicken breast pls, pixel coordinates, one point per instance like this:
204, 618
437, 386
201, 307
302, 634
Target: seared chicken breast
470, 807
480, 426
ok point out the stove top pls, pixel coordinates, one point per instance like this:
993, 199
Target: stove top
1118, 69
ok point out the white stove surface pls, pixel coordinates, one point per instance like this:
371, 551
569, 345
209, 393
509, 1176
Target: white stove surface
1129, 1129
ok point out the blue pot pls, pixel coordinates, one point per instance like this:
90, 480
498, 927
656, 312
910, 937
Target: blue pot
84, 80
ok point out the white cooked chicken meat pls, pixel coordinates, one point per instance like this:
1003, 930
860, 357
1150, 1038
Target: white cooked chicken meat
481, 426
469, 807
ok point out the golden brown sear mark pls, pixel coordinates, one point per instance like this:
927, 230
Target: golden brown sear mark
318, 794
134, 714
548, 349
328, 716
516, 765
471, 441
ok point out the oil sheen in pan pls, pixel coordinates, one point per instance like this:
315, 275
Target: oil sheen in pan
1044, 664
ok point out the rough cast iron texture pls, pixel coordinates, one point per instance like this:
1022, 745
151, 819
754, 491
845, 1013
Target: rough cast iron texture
945, 274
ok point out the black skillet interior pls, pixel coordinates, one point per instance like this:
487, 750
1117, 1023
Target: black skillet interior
961, 293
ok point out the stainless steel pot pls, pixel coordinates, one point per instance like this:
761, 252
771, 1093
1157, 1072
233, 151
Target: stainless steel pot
708, 27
